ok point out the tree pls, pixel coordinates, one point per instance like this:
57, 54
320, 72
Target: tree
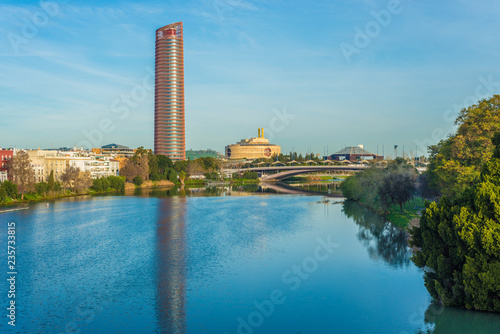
398, 185
10, 189
70, 176
116, 182
3, 194
208, 163
138, 181
171, 175
139, 152
97, 185
82, 181
130, 171
250, 175
104, 183
42, 188
164, 163
51, 182
455, 163
459, 240
194, 168
143, 170
181, 165
153, 169
364, 186
213, 175
138, 165
21, 172
182, 176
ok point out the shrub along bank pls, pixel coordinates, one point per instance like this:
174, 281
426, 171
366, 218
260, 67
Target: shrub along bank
388, 191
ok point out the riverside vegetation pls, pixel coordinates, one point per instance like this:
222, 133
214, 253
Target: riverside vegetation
143, 166
457, 240
143, 169
388, 191
459, 235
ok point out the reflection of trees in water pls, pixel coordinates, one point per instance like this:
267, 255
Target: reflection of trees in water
448, 320
199, 191
252, 188
327, 187
381, 238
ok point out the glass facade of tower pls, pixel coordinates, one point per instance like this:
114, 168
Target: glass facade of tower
169, 92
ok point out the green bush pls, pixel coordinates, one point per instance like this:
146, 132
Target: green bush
97, 185
378, 188
42, 188
458, 240
212, 176
109, 183
137, 180
116, 182
170, 175
3, 194
10, 188
250, 175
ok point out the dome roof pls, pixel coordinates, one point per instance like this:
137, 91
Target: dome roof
353, 150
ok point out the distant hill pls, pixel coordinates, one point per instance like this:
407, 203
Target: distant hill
192, 154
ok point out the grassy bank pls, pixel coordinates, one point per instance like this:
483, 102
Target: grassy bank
411, 210
35, 197
28, 198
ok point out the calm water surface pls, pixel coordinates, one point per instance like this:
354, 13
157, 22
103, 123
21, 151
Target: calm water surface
222, 261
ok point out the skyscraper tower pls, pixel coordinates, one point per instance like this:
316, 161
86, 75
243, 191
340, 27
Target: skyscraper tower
169, 92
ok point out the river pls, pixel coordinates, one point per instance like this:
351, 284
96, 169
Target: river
224, 260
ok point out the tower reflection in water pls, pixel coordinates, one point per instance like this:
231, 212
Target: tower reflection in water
171, 266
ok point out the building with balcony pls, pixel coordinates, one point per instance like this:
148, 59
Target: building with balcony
5, 156
56, 164
115, 150
97, 168
169, 127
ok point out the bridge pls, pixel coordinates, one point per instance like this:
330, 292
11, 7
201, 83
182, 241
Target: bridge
282, 172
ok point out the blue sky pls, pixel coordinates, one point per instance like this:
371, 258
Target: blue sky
65, 70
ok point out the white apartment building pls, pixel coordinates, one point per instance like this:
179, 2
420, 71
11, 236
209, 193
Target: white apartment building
98, 168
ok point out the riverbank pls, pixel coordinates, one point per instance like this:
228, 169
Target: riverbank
51, 196
405, 220
411, 211
149, 184
205, 182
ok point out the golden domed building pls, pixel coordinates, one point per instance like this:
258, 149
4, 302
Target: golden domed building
253, 148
